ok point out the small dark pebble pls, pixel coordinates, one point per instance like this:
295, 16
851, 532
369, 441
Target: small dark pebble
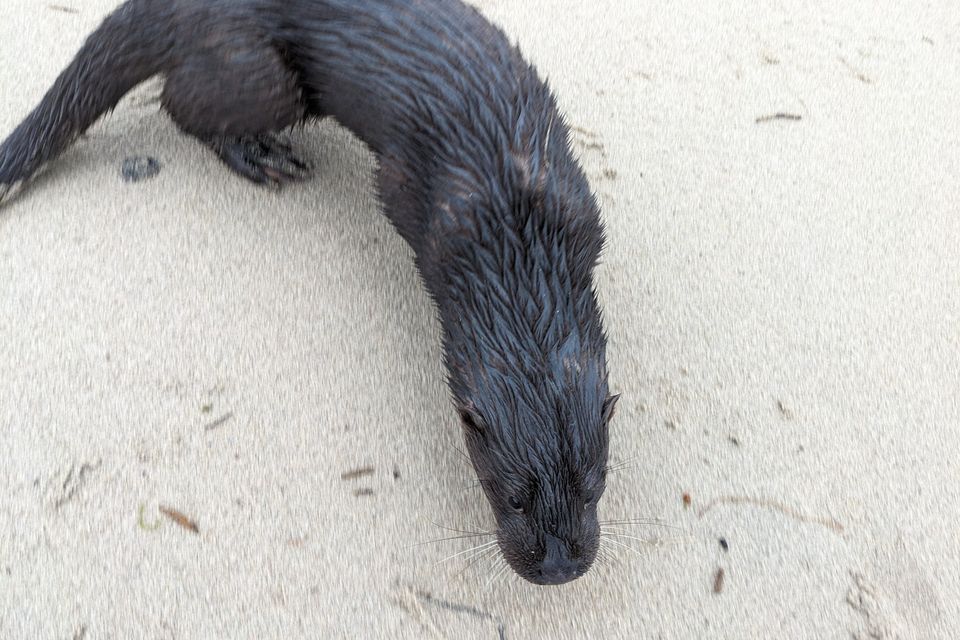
137, 168
724, 545
734, 441
396, 473
687, 500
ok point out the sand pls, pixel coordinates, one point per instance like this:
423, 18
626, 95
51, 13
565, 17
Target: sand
781, 289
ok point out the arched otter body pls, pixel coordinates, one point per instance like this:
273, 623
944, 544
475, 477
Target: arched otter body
476, 174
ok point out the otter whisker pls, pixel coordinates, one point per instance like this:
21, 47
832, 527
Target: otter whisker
653, 542
641, 522
475, 549
485, 555
620, 466
659, 542
636, 520
438, 540
606, 555
499, 572
621, 544
606, 551
491, 558
467, 531
462, 453
599, 560
624, 528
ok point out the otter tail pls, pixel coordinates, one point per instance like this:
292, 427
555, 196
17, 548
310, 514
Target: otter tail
132, 44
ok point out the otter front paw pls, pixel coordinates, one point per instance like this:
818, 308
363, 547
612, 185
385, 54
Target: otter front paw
263, 159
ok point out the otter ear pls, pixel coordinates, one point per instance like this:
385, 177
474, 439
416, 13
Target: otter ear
471, 421
609, 406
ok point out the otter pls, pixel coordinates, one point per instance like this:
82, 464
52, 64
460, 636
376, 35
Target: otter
476, 173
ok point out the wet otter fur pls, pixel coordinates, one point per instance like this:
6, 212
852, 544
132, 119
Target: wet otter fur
475, 172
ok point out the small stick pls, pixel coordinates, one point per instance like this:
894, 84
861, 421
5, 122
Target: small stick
828, 522
353, 474
218, 422
180, 519
718, 581
780, 115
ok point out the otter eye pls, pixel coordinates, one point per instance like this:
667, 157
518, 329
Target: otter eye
515, 504
590, 499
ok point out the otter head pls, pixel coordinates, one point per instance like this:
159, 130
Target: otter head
511, 269
539, 447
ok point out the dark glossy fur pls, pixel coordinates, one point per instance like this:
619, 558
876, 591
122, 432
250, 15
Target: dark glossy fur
476, 173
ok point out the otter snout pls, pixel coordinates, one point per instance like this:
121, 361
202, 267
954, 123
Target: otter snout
557, 567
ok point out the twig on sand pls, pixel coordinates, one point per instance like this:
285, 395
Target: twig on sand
718, 581
179, 519
780, 115
829, 523
354, 474
218, 422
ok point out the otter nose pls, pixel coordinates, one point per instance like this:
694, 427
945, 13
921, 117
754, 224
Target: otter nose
557, 567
